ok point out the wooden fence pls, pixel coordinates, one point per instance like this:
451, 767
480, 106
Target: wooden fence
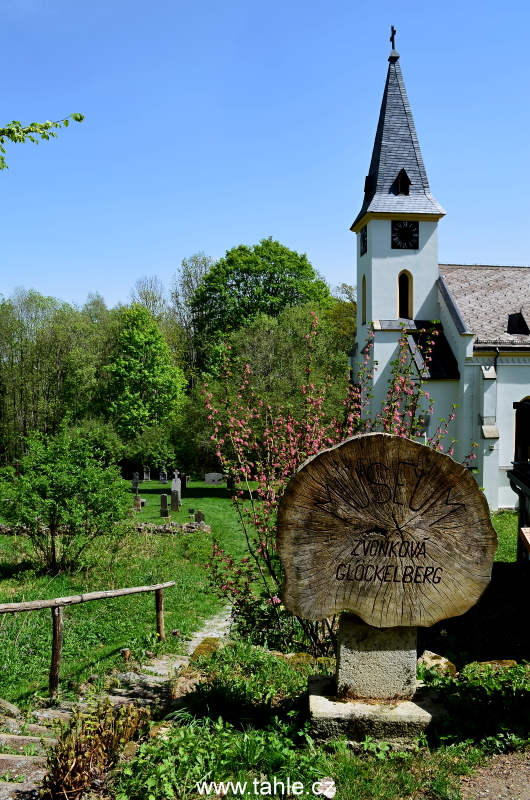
57, 604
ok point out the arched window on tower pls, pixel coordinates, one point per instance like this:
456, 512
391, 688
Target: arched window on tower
363, 300
405, 295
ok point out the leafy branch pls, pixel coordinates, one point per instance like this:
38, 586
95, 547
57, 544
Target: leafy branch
16, 133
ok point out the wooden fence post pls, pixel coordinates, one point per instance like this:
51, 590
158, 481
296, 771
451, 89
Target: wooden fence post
57, 645
159, 603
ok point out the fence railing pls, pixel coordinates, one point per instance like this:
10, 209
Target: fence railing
58, 603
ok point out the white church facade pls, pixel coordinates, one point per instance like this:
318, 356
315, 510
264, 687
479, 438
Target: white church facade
481, 357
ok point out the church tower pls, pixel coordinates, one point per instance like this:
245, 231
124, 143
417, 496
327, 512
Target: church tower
397, 245
397, 241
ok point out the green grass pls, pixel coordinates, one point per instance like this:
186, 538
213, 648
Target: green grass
506, 525
95, 632
218, 738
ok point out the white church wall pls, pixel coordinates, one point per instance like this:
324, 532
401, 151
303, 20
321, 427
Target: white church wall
386, 265
513, 385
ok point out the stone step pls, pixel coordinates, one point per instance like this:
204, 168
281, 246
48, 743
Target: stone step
8, 762
166, 665
21, 727
9, 790
20, 740
31, 768
49, 714
139, 677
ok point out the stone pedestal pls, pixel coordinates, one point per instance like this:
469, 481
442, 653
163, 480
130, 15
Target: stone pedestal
397, 722
375, 663
375, 692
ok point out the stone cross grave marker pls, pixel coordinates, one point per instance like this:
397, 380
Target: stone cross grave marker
135, 481
393, 533
164, 512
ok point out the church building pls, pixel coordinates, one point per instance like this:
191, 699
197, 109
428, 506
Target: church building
481, 357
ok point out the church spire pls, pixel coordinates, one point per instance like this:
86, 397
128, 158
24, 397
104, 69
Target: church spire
396, 182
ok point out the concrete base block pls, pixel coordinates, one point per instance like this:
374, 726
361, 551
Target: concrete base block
396, 722
376, 663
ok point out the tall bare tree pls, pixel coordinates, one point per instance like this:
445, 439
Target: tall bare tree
150, 292
185, 282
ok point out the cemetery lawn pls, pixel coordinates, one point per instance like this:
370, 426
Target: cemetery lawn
95, 632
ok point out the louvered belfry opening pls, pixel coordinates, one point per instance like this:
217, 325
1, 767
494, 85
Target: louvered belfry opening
401, 184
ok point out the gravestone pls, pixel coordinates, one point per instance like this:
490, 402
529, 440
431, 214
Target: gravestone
164, 512
183, 480
175, 494
137, 502
213, 477
135, 481
395, 535
199, 516
147, 474
163, 476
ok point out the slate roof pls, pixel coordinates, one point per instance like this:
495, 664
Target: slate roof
443, 364
396, 147
485, 296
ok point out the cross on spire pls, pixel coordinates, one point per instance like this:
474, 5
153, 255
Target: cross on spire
393, 36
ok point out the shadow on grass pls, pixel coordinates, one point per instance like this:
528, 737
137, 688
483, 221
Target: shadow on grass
8, 570
235, 704
190, 492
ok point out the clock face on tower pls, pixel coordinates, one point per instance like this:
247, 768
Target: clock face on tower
405, 235
364, 240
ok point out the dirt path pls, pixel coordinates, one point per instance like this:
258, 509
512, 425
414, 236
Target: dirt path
505, 776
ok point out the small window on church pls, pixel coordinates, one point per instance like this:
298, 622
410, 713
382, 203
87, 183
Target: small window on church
405, 295
363, 300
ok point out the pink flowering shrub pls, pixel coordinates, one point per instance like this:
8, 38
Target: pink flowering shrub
260, 447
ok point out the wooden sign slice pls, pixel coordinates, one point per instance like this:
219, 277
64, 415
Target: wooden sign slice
386, 528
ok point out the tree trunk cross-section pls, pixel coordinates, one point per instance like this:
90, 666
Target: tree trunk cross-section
386, 528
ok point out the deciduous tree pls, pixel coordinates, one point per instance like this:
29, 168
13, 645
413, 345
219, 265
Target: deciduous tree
146, 388
262, 279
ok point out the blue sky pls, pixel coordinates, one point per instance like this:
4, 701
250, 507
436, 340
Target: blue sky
219, 122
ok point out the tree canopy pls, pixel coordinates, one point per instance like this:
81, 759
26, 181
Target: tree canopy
146, 388
18, 134
261, 279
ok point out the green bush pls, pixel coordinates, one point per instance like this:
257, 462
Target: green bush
486, 704
64, 498
212, 750
245, 684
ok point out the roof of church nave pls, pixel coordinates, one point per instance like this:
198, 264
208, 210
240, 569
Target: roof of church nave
486, 297
397, 181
